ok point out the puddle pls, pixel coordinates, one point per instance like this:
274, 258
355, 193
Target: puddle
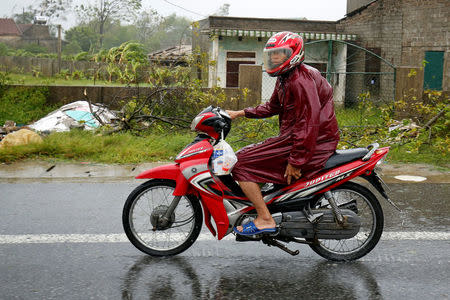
410, 178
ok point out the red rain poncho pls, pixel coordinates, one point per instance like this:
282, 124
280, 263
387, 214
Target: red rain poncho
309, 133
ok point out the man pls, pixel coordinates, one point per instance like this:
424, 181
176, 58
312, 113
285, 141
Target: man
309, 133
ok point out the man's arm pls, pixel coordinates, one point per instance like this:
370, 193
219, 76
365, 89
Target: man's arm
265, 110
235, 113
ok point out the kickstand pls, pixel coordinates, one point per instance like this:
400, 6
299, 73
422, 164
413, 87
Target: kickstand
272, 242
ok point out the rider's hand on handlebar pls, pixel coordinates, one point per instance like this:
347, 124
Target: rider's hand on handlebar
292, 171
235, 113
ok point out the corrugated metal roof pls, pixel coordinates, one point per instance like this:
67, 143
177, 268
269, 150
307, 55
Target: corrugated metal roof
267, 34
9, 27
171, 54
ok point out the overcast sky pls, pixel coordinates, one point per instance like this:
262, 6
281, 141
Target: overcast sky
198, 9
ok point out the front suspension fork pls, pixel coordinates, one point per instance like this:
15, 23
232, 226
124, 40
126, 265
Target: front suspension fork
165, 219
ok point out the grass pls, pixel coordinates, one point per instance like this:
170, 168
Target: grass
87, 146
122, 148
426, 154
27, 79
356, 116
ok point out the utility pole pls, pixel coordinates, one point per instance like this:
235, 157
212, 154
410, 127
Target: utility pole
59, 48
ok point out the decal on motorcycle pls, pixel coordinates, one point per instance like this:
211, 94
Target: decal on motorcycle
194, 170
318, 179
203, 182
316, 185
191, 152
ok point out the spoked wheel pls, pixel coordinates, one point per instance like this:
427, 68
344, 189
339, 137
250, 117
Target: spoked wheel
143, 223
364, 203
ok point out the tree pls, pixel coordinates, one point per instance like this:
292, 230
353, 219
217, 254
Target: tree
224, 10
54, 8
26, 16
174, 30
118, 34
103, 10
82, 35
147, 24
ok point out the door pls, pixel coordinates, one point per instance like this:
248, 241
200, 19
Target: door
434, 69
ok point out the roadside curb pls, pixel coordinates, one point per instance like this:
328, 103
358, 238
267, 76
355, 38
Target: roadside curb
43, 170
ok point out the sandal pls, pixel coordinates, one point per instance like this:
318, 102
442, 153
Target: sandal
251, 229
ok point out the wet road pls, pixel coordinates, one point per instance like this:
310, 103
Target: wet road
101, 267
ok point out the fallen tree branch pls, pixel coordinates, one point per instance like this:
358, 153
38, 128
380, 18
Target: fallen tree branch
92, 111
169, 120
434, 119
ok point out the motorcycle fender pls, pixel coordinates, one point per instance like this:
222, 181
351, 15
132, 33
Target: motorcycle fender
376, 183
171, 172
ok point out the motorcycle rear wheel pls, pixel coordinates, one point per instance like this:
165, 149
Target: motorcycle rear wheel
358, 198
149, 201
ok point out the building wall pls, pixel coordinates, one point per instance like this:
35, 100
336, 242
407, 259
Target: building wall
355, 4
10, 40
316, 53
36, 34
404, 30
218, 22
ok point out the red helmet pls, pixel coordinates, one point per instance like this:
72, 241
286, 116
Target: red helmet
283, 51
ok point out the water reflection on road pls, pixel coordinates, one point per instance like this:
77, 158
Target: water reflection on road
425, 207
179, 277
224, 274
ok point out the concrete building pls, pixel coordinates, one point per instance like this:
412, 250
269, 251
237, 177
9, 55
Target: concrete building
231, 42
408, 33
20, 35
375, 41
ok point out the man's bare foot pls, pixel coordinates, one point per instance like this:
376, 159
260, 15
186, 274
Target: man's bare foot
261, 224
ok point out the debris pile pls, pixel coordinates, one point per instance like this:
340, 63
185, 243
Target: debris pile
405, 128
77, 114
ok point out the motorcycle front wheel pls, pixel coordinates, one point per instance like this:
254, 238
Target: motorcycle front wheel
146, 205
364, 203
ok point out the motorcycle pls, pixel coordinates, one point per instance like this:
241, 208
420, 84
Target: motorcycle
339, 219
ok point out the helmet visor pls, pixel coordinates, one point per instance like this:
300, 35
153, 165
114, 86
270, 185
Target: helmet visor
275, 57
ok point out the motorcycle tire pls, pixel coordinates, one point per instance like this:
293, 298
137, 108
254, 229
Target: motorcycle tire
372, 209
142, 203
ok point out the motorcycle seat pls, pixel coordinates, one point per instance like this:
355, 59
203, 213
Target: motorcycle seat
344, 156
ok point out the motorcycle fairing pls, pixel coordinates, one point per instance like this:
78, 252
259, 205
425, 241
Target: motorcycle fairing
197, 173
169, 171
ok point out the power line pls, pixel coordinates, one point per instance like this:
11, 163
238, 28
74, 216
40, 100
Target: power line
193, 12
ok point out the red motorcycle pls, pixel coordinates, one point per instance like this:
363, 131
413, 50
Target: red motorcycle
340, 220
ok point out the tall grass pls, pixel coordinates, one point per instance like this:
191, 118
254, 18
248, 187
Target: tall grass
87, 146
125, 148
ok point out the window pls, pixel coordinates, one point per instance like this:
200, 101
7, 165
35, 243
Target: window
234, 59
434, 69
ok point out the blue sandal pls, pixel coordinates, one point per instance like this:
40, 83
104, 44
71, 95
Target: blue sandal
251, 229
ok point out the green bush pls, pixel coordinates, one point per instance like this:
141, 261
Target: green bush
4, 49
82, 56
23, 105
35, 49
